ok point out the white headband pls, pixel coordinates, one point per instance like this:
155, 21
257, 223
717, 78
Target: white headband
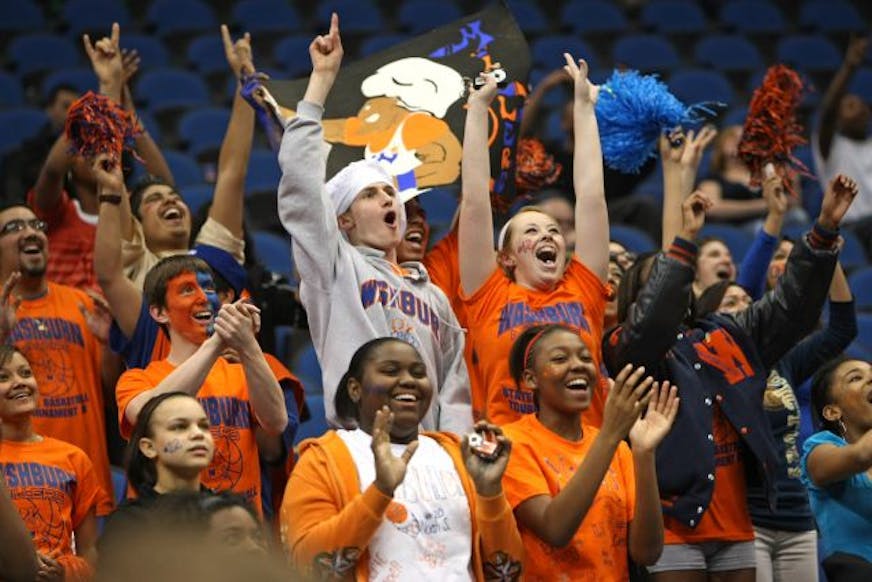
351, 180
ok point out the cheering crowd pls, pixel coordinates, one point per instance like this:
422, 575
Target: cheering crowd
537, 405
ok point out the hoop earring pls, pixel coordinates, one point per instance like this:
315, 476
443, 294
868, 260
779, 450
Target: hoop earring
843, 429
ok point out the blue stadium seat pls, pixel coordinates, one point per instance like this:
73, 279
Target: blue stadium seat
355, 16
864, 335
632, 238
186, 171
206, 54
166, 89
19, 125
273, 252
291, 54
203, 130
317, 424
173, 17
810, 53
150, 124
440, 205
673, 17
856, 351
649, 53
306, 367
11, 94
737, 239
21, 16
119, 483
593, 17
861, 84
727, 53
94, 16
861, 286
37, 53
752, 17
831, 16
82, 78
548, 51
151, 50
735, 116
376, 44
263, 172
197, 195
529, 16
267, 16
418, 16
698, 85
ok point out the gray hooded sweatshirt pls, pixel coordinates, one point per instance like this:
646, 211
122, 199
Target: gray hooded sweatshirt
353, 294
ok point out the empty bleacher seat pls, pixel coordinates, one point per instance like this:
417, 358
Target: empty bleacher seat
273, 252
378, 43
203, 130
737, 239
752, 17
186, 171
317, 423
263, 172
593, 16
164, 89
197, 195
291, 54
649, 53
206, 54
38, 53
529, 16
20, 16
152, 53
632, 238
266, 16
864, 328
810, 53
11, 94
440, 205
548, 51
18, 125
861, 286
173, 17
305, 365
82, 78
728, 53
861, 84
697, 85
355, 16
94, 16
831, 16
418, 16
673, 17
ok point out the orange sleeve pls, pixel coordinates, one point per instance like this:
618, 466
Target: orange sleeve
443, 265
523, 478
89, 493
316, 525
132, 383
502, 550
76, 568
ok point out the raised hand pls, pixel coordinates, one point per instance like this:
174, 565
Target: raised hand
108, 174
856, 52
485, 94
695, 145
130, 62
487, 475
9, 305
326, 50
239, 55
626, 400
106, 58
773, 191
840, 193
650, 430
585, 91
693, 211
99, 319
389, 469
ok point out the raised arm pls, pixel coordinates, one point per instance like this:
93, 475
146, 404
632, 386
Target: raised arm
829, 108
305, 211
591, 213
828, 464
124, 297
475, 226
236, 325
50, 182
227, 205
755, 263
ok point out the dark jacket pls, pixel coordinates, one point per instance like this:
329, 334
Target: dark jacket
721, 360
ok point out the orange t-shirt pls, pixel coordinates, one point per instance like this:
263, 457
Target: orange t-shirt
65, 357
224, 396
54, 487
501, 310
727, 518
542, 463
71, 234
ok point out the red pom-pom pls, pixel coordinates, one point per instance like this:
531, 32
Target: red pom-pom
771, 130
96, 124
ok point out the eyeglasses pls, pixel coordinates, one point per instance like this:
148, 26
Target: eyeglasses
20, 224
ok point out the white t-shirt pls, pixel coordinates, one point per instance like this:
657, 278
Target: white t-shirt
427, 531
854, 159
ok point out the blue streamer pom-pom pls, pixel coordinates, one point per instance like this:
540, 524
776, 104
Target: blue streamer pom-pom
632, 111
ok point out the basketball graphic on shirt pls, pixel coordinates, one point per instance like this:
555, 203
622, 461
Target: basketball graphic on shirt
53, 367
225, 471
41, 511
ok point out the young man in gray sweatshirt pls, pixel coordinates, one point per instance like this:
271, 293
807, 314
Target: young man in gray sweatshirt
345, 238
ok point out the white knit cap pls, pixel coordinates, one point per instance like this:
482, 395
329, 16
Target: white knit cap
351, 180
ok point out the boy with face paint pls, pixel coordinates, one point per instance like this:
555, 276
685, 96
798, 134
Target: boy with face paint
243, 400
346, 235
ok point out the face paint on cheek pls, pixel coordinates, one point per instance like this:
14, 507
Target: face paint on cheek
208, 285
526, 246
185, 297
173, 446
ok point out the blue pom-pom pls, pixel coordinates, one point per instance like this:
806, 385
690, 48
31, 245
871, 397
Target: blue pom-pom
632, 111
